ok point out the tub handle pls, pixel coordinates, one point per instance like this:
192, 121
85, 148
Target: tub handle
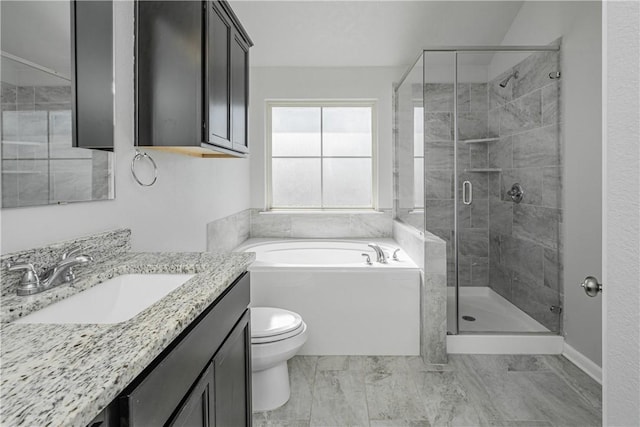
395, 255
368, 260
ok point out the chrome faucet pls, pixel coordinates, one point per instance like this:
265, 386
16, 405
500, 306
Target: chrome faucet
381, 257
60, 273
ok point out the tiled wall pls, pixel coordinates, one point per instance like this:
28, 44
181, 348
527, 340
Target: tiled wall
39, 165
525, 240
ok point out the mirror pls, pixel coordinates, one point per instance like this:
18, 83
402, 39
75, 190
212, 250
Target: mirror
57, 97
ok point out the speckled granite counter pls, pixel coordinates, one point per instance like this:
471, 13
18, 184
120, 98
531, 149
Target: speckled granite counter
64, 375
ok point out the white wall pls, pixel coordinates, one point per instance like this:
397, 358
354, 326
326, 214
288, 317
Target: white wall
579, 25
622, 215
171, 215
292, 83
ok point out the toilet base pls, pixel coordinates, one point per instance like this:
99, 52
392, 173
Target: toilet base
270, 388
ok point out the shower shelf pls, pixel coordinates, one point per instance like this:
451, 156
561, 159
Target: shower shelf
478, 141
489, 170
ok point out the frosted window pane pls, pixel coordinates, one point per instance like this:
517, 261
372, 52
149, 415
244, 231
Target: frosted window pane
295, 131
347, 183
418, 131
296, 182
346, 131
418, 182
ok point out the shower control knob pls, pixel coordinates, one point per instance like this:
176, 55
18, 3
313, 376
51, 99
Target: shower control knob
591, 286
516, 193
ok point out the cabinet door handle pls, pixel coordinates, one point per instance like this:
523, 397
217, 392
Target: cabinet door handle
467, 192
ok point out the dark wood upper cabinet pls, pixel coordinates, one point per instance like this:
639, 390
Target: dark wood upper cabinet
191, 78
92, 74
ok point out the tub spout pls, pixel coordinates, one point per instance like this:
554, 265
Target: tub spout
381, 257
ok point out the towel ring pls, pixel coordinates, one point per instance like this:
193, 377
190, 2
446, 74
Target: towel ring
139, 155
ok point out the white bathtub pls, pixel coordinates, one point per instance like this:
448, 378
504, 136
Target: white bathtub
350, 308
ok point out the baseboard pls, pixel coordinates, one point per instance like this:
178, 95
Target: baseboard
583, 362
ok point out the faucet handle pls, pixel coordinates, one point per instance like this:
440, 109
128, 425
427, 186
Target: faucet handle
368, 259
71, 252
395, 255
30, 280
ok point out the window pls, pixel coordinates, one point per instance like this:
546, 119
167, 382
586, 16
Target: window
321, 155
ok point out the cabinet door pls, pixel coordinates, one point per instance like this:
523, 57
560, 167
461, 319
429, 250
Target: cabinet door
92, 68
239, 93
169, 73
218, 77
232, 377
196, 409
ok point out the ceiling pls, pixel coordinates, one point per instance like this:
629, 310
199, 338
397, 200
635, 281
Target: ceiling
308, 33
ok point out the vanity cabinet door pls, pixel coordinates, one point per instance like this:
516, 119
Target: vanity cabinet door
92, 74
218, 42
239, 93
232, 378
196, 409
169, 73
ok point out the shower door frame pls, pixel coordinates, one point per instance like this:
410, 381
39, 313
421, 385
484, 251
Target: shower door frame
455, 50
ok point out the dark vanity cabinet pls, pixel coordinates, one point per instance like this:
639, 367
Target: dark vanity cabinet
192, 76
219, 398
204, 377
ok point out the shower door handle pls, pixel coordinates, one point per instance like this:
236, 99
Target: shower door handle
467, 192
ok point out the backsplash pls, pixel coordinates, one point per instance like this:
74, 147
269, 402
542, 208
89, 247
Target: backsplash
100, 246
229, 232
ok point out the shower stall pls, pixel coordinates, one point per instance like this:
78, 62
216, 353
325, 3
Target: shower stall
478, 163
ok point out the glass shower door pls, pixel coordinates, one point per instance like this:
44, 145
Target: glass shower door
437, 156
508, 192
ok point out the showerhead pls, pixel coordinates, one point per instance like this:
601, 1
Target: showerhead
505, 82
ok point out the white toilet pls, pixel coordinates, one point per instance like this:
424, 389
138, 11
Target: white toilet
276, 336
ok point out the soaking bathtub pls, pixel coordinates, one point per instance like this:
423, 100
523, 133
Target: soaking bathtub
350, 308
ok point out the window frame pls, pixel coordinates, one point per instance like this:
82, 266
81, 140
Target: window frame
346, 103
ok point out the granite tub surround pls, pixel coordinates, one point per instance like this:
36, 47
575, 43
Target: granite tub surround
429, 253
225, 234
281, 224
100, 246
66, 374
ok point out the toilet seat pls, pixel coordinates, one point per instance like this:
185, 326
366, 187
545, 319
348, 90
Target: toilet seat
269, 324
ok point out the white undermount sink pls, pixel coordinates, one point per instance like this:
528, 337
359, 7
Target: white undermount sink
113, 301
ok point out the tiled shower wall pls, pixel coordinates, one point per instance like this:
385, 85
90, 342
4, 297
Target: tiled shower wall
39, 165
525, 239
473, 220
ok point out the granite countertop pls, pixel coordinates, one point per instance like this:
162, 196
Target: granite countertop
64, 375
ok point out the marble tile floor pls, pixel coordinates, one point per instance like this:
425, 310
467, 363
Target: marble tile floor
471, 390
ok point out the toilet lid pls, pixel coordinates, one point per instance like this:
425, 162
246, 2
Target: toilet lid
270, 322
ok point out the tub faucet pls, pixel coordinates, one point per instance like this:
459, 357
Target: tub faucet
60, 273
381, 257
